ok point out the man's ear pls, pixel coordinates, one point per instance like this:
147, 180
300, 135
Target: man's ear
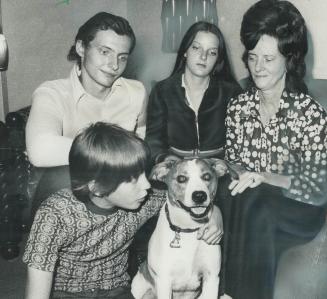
80, 48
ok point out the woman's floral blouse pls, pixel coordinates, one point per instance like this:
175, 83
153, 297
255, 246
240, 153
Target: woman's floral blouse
293, 142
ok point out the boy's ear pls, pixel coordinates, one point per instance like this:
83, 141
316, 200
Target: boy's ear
92, 187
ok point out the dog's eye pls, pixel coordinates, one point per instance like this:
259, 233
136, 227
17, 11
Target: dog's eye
207, 177
181, 179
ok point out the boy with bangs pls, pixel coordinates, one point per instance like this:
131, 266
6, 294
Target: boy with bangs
79, 241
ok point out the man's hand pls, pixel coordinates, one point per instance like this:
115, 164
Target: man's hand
212, 231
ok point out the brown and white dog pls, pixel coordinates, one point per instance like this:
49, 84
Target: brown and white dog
178, 264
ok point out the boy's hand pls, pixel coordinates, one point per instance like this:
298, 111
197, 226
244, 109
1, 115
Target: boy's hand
212, 231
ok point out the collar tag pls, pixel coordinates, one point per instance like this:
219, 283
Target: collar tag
175, 243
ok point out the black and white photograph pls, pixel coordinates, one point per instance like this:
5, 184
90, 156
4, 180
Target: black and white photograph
163, 149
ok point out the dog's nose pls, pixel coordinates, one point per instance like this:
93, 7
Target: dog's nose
199, 196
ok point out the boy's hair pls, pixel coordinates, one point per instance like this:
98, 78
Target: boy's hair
108, 155
101, 21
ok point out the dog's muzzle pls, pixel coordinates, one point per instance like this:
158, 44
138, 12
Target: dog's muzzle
197, 217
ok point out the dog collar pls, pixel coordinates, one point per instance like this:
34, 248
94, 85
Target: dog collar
175, 243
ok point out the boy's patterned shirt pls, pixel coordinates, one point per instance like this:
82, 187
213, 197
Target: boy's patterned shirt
85, 250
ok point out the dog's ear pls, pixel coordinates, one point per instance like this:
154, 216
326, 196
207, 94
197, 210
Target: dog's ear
218, 165
160, 170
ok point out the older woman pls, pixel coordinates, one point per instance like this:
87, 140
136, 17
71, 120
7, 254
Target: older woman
276, 144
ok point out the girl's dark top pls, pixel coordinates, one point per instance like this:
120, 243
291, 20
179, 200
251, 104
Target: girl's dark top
172, 122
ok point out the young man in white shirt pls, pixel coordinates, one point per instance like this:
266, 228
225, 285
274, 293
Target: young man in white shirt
94, 91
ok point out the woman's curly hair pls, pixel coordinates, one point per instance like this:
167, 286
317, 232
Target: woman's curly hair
283, 21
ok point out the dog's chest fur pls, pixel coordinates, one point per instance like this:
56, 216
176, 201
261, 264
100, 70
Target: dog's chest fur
185, 265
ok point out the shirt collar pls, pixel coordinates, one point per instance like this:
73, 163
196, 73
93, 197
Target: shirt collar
183, 81
78, 90
186, 93
184, 85
252, 107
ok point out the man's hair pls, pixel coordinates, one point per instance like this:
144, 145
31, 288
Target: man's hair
101, 21
222, 67
108, 155
283, 21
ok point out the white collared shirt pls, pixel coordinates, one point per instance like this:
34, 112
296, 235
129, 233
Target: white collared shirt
61, 108
188, 96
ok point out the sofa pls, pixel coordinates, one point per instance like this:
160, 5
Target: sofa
18, 188
15, 170
26, 178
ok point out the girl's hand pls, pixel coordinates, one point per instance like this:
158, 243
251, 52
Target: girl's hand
246, 180
212, 231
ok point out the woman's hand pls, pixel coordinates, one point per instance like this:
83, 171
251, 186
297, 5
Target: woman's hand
212, 231
246, 180
250, 179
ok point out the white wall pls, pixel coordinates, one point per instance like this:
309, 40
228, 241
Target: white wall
230, 13
148, 62
40, 33
2, 113
315, 14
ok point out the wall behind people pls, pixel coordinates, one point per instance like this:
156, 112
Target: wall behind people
314, 12
230, 15
148, 61
150, 64
2, 116
40, 32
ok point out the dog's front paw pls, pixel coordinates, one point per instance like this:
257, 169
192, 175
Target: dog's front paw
149, 295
